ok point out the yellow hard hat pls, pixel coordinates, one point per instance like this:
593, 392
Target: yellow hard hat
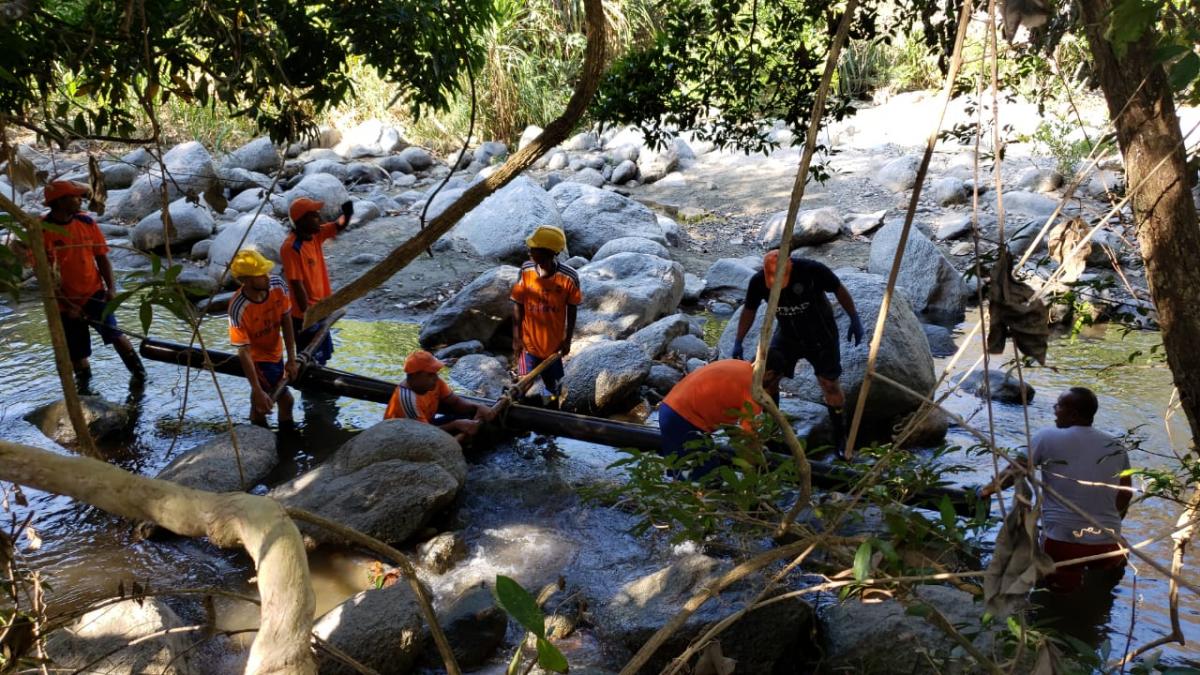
548, 236
250, 263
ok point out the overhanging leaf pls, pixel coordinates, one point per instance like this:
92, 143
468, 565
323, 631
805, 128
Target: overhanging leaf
520, 605
549, 658
862, 561
99, 193
1184, 73
214, 196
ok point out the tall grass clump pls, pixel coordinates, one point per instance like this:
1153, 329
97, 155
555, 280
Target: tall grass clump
862, 69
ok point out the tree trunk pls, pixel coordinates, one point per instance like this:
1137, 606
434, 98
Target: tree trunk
257, 524
58, 339
1143, 111
554, 133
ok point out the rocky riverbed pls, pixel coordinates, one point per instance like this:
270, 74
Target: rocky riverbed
664, 241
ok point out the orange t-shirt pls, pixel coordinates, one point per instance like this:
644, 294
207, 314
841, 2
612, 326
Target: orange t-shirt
714, 394
408, 404
72, 253
257, 324
545, 300
304, 263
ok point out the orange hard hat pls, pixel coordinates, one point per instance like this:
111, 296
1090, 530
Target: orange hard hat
422, 361
770, 262
302, 206
63, 188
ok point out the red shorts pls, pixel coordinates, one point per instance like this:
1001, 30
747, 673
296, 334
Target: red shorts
1070, 578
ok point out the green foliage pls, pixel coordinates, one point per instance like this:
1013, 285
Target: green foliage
79, 69
1056, 137
155, 287
725, 68
522, 606
862, 69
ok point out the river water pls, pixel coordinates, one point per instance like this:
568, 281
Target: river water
531, 534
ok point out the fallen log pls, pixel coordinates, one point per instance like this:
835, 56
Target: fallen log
524, 418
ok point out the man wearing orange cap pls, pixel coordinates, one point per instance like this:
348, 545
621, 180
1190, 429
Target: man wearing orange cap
806, 327
78, 254
425, 397
304, 266
710, 397
546, 301
260, 327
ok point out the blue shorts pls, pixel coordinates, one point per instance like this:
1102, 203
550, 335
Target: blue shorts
552, 376
321, 354
79, 340
269, 374
676, 433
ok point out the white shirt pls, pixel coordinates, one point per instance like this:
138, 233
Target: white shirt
1082, 464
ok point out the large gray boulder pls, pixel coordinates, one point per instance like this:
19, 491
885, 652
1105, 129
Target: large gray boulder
775, 638
214, 465
418, 158
899, 174
814, 226
653, 339
189, 223
321, 187
729, 277
381, 628
239, 180
903, 354
371, 138
263, 234
1029, 203
604, 377
100, 641
104, 420
474, 313
592, 217
481, 375
631, 245
949, 191
624, 172
358, 485
330, 167
258, 155
498, 227
248, 201
1000, 386
926, 277
189, 168
653, 165
625, 292
474, 626
856, 633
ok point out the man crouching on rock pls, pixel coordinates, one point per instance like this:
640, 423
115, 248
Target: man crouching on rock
425, 397
258, 313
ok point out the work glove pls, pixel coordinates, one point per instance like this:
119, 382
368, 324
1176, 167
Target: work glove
348, 210
738, 352
856, 330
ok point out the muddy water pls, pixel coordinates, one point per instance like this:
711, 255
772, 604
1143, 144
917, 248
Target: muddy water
521, 516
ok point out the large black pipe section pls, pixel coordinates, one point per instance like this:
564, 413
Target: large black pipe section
523, 418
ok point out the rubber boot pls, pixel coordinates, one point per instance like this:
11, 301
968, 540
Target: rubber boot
839, 430
133, 364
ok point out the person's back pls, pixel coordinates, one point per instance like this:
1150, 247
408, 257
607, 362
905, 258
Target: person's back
712, 395
1083, 465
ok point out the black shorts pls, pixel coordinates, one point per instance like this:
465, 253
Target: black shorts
78, 331
825, 357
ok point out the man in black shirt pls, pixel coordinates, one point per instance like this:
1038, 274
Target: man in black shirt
806, 328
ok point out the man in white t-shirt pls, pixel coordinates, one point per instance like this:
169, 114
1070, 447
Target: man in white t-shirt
1085, 467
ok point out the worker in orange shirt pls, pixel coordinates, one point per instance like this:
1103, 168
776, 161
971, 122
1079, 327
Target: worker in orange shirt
546, 299
261, 328
78, 256
710, 397
304, 267
425, 397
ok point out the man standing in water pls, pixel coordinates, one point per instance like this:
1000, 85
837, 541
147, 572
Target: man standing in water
258, 314
304, 267
1085, 467
78, 255
806, 328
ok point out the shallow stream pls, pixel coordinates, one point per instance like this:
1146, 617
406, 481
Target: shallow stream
520, 513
